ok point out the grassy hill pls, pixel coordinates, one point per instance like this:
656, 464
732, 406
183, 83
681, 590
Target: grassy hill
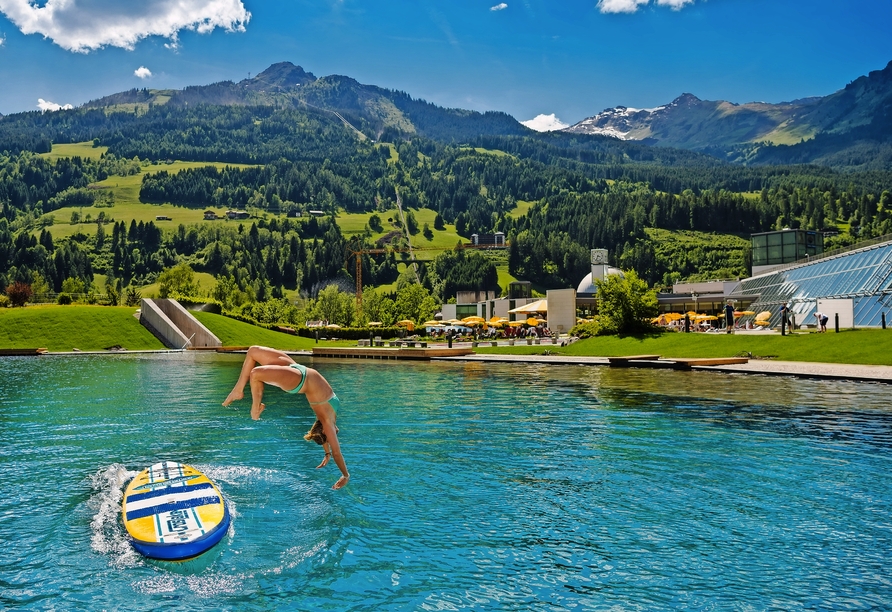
64, 328
237, 333
97, 328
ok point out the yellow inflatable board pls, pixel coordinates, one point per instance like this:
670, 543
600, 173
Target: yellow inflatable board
173, 512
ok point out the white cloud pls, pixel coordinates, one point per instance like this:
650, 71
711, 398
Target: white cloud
142, 72
545, 123
499, 7
631, 6
86, 25
51, 106
675, 5
620, 6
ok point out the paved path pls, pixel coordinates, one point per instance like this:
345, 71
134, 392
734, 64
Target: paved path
801, 369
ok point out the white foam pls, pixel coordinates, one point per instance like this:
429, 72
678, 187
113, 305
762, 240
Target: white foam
107, 537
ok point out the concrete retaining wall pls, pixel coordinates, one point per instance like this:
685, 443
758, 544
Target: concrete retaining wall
174, 326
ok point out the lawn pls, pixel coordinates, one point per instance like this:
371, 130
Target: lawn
863, 346
64, 328
236, 333
92, 328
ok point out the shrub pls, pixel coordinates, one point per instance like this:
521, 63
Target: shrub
64, 299
4, 301
19, 293
133, 297
589, 329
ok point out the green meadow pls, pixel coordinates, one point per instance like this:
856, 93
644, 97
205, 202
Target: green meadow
77, 149
862, 346
65, 328
127, 205
96, 328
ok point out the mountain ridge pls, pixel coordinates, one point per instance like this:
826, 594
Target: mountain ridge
371, 109
850, 128
739, 131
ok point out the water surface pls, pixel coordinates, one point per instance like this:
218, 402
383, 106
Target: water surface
474, 486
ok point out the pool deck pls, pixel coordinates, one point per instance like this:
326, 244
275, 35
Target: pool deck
798, 369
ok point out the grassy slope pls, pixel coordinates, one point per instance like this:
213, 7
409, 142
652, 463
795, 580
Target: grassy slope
236, 333
77, 149
63, 328
126, 190
864, 346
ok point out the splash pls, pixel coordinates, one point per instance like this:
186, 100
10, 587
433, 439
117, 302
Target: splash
107, 536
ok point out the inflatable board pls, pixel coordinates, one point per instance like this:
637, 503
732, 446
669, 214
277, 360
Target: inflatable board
173, 512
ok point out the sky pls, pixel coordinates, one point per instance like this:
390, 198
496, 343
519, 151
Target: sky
555, 61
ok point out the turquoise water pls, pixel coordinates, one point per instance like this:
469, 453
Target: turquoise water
474, 486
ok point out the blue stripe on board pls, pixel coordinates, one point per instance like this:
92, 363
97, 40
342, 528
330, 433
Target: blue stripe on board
180, 505
135, 497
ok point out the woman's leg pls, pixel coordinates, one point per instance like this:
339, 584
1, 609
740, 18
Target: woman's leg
257, 355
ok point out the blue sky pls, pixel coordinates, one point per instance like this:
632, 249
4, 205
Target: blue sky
570, 58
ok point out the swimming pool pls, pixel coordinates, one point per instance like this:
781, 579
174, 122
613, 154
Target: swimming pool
474, 486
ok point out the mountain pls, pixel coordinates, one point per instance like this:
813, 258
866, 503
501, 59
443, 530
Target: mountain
371, 110
827, 130
691, 123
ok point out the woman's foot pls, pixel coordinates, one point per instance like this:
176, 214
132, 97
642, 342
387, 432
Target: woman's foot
233, 396
256, 411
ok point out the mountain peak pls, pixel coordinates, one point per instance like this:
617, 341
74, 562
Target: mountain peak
282, 75
686, 99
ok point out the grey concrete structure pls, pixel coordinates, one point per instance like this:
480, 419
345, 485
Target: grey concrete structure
174, 326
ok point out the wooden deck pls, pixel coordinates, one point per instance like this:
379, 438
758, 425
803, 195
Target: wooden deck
22, 352
361, 352
677, 363
625, 362
687, 364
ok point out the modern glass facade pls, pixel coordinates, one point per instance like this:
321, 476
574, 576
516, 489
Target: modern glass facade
863, 275
786, 246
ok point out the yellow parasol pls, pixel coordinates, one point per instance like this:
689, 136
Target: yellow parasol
763, 322
410, 325
432, 324
532, 307
764, 315
743, 313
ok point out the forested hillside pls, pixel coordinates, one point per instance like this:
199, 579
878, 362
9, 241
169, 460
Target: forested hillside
586, 192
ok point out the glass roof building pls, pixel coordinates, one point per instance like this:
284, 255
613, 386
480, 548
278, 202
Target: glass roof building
862, 275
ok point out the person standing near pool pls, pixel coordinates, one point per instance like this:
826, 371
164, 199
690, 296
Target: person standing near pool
267, 366
729, 317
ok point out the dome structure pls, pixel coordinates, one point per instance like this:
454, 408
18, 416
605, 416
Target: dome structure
587, 285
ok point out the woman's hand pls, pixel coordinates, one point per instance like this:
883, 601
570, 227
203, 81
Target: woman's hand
324, 461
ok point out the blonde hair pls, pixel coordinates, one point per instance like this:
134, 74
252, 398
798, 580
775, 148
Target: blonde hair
317, 433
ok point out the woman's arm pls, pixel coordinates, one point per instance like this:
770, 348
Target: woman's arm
327, 448
331, 435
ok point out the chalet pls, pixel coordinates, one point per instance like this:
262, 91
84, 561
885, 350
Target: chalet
237, 214
496, 241
210, 215
162, 218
